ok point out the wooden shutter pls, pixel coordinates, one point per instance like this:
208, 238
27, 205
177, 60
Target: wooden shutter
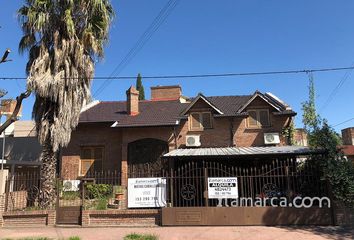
91, 160
195, 121
207, 121
264, 118
252, 119
98, 156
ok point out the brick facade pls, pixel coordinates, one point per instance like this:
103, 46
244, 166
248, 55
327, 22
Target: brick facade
226, 131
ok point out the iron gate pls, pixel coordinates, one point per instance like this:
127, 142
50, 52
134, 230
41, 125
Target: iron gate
69, 202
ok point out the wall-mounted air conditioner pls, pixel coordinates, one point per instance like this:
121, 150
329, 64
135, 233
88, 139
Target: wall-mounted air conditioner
271, 138
193, 141
71, 185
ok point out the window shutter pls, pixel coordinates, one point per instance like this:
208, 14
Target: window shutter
87, 166
195, 121
252, 119
207, 120
264, 117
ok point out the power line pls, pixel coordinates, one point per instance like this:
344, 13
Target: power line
144, 38
235, 74
351, 119
336, 89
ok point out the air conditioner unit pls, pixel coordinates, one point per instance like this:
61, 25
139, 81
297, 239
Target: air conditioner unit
193, 141
271, 138
71, 185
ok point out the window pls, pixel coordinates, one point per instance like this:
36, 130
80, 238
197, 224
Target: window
91, 160
200, 120
258, 118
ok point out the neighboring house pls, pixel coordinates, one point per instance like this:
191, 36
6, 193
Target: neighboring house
348, 143
132, 135
22, 149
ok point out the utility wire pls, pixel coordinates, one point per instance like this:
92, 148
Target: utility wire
351, 119
336, 89
144, 38
207, 75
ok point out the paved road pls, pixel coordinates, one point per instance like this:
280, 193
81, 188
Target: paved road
186, 233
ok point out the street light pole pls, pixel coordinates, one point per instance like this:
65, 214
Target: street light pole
3, 147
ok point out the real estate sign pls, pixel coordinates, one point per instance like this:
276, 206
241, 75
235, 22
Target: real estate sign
146, 192
223, 187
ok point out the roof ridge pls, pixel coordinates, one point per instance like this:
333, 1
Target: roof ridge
249, 95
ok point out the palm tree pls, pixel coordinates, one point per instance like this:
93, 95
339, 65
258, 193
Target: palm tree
63, 38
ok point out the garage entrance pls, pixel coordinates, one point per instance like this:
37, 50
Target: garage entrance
268, 191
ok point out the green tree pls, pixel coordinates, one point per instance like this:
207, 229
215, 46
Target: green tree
140, 87
63, 38
336, 169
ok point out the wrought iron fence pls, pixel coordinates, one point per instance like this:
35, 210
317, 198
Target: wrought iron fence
187, 186
23, 190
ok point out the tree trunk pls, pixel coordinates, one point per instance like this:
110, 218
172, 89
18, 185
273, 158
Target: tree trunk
47, 195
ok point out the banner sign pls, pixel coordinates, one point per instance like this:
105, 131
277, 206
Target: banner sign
146, 192
223, 187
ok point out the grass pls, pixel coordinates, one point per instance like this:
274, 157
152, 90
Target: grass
74, 238
136, 236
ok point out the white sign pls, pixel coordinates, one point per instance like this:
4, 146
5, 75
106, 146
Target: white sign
222, 187
146, 192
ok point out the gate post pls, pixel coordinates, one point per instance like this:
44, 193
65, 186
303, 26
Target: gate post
206, 186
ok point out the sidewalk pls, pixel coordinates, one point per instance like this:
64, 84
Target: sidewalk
186, 233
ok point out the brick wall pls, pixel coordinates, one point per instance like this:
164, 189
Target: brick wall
344, 216
242, 136
2, 208
165, 92
143, 217
92, 135
29, 218
348, 136
16, 200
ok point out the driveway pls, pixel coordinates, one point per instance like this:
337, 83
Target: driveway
186, 233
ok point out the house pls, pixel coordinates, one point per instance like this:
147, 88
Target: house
19, 142
22, 149
348, 143
132, 135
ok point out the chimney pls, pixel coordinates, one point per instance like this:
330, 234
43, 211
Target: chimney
132, 101
166, 93
7, 106
348, 136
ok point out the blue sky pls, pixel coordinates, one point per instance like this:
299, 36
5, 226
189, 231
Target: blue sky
208, 36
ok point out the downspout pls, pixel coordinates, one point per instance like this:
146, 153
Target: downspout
232, 144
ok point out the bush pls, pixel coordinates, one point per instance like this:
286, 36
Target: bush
99, 191
70, 195
136, 236
102, 204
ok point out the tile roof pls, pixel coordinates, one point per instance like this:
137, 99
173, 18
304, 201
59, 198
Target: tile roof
348, 150
241, 151
159, 113
151, 113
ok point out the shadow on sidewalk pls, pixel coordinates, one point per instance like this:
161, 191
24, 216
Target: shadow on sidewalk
331, 232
